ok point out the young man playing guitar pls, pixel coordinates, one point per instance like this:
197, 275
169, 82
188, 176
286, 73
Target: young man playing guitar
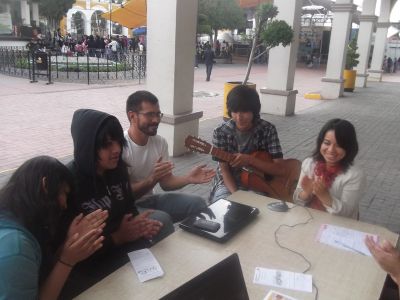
244, 135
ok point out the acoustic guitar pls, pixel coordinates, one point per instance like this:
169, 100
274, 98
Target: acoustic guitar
280, 187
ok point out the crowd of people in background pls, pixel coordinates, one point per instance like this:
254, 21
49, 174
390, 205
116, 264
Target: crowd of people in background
390, 65
221, 50
93, 45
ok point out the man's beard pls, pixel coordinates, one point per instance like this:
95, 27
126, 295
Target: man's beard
150, 130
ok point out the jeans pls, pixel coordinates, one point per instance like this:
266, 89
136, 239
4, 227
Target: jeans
208, 71
177, 205
165, 219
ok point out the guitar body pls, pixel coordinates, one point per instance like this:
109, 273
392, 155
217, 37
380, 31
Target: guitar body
279, 187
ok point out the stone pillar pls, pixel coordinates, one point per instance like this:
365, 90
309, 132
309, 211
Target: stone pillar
87, 4
170, 72
109, 28
332, 83
375, 72
125, 31
278, 97
25, 13
367, 23
35, 13
88, 26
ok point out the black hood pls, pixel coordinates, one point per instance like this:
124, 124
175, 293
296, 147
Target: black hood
84, 129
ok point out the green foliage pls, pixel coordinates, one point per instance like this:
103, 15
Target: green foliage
92, 68
275, 33
54, 10
266, 12
352, 55
221, 14
22, 63
203, 27
77, 23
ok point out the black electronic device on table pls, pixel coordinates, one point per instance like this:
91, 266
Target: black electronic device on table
222, 281
220, 220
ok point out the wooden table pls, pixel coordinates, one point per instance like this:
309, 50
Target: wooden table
338, 274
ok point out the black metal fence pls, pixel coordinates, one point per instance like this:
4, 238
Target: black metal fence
90, 67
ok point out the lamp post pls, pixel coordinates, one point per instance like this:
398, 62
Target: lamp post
110, 19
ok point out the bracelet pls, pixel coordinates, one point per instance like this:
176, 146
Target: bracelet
64, 263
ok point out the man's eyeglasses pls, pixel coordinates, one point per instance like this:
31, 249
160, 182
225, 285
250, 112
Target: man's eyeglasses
151, 114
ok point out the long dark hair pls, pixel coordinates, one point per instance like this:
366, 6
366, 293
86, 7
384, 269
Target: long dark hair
346, 138
243, 99
33, 206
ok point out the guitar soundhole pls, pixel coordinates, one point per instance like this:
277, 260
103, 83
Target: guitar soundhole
268, 177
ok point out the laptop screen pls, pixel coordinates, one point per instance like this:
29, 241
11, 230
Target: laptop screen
222, 281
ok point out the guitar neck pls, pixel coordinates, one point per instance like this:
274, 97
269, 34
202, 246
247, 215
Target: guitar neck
221, 154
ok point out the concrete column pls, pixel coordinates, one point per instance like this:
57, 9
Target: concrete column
375, 72
88, 26
278, 97
170, 72
109, 28
8, 7
332, 83
367, 23
35, 13
125, 31
87, 4
25, 13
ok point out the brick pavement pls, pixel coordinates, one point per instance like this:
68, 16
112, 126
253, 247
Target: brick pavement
35, 120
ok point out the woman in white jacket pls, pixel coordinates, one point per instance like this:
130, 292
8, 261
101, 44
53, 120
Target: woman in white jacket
329, 181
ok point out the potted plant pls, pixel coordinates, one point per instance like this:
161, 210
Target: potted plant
349, 75
267, 32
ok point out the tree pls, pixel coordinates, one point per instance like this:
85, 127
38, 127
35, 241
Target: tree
99, 24
352, 55
77, 23
221, 14
54, 10
203, 27
268, 32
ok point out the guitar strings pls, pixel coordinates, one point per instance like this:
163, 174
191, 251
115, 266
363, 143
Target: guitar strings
309, 265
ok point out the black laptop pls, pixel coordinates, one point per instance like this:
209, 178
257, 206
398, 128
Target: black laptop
220, 220
222, 281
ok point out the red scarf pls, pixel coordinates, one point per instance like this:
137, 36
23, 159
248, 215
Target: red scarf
328, 177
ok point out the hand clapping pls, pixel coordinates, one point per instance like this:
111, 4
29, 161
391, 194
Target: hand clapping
132, 228
161, 169
201, 174
386, 256
83, 237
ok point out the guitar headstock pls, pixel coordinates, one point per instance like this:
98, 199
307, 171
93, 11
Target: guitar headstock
197, 145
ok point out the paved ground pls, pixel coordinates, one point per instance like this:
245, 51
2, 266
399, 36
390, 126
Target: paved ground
36, 118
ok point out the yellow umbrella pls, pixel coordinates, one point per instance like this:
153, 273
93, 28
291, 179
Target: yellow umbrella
132, 14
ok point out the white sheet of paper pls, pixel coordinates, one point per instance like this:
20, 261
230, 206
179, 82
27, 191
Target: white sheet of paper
283, 279
145, 264
344, 238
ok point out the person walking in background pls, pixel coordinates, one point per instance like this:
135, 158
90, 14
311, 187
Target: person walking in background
208, 61
328, 180
389, 65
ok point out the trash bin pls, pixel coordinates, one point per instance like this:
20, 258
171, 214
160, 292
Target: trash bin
41, 60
